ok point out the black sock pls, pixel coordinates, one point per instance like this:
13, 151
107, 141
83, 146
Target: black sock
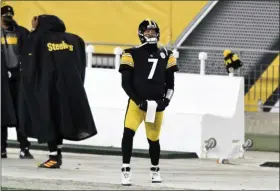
59, 146
127, 145
53, 148
154, 152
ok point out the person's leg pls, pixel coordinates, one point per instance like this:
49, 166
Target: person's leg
24, 146
59, 143
4, 138
133, 118
23, 141
153, 133
54, 146
55, 157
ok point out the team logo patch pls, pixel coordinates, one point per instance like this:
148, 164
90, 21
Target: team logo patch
162, 55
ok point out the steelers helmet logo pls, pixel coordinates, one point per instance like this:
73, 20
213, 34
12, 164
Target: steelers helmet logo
162, 55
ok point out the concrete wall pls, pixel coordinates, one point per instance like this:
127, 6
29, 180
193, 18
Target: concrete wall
263, 129
189, 98
262, 123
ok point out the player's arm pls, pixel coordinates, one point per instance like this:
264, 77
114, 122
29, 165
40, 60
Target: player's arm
126, 69
170, 70
169, 85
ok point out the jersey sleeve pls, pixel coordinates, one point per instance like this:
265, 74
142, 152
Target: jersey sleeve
172, 63
126, 62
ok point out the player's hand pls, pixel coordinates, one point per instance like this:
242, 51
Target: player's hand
162, 104
143, 105
34, 23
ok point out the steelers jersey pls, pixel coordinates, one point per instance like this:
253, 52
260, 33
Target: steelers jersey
149, 70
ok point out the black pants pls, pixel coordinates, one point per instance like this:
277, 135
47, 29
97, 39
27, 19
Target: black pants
52, 145
23, 141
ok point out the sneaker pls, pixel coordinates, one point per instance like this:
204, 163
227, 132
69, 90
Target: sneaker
54, 161
25, 154
126, 176
3, 153
155, 174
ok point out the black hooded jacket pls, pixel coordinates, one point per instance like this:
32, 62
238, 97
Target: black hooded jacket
8, 113
22, 35
53, 92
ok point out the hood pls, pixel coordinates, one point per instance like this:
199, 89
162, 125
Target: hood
50, 23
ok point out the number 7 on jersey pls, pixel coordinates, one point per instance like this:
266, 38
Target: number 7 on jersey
153, 69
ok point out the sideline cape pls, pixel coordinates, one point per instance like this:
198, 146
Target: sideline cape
54, 102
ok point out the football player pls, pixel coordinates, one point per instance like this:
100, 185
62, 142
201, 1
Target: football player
147, 75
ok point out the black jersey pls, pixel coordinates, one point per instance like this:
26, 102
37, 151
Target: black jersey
149, 70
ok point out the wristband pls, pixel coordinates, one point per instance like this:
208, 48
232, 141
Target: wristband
169, 94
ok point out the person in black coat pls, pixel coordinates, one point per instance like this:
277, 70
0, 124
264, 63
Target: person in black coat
12, 42
53, 75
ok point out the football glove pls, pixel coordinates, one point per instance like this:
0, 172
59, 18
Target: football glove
143, 105
162, 104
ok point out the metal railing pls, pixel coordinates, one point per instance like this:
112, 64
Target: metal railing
261, 79
201, 48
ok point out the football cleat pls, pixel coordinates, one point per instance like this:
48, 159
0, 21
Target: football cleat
53, 162
155, 174
25, 154
126, 176
4, 153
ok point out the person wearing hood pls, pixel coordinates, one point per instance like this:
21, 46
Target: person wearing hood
13, 38
53, 73
148, 80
